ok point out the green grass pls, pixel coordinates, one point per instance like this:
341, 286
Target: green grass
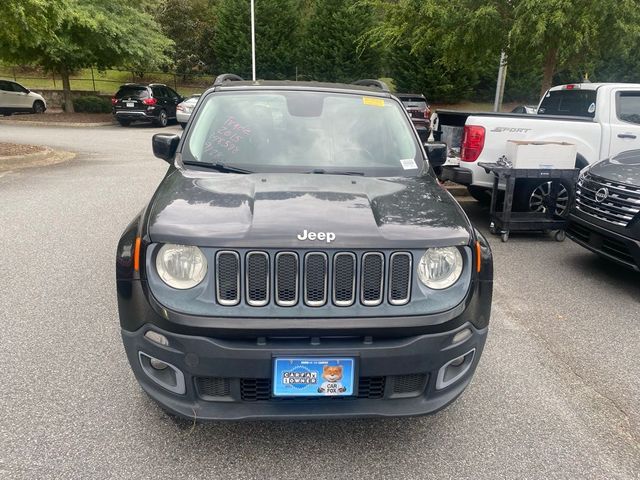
106, 82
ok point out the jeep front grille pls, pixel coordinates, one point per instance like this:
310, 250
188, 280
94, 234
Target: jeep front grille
313, 278
620, 206
257, 279
286, 279
228, 278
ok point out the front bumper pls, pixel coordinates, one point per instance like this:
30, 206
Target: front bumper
618, 248
225, 379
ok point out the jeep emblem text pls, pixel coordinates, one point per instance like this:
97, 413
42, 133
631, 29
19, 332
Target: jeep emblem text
326, 236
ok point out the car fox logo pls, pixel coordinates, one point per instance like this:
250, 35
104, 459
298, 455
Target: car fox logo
326, 236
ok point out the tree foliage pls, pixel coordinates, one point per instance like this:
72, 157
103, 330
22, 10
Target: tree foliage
331, 47
556, 36
84, 33
191, 25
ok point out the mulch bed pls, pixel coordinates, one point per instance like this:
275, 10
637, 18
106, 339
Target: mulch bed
63, 117
9, 149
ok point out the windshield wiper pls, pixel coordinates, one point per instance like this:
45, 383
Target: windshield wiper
221, 167
322, 171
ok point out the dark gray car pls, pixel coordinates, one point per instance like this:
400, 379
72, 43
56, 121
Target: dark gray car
300, 260
606, 215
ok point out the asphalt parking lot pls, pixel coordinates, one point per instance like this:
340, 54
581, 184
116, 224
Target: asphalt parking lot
556, 395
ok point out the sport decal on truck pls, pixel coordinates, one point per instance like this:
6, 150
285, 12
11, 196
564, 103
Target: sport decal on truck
511, 130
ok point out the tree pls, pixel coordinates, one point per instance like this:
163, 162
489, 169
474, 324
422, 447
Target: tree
191, 25
73, 34
276, 29
555, 35
331, 48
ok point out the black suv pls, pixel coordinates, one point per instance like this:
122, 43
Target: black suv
154, 103
606, 215
299, 259
420, 112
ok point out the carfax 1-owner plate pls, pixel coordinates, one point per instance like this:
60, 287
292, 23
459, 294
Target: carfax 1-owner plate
313, 377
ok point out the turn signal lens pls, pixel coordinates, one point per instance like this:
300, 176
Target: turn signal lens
157, 338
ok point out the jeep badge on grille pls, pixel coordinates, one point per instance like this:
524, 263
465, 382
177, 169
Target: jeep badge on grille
326, 236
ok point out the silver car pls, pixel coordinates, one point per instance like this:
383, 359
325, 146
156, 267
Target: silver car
184, 109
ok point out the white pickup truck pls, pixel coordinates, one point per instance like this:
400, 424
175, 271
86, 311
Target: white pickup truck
601, 119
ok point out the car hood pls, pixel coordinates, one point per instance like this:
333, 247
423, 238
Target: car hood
274, 210
623, 168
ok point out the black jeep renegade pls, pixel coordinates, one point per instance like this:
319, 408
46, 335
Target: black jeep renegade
300, 260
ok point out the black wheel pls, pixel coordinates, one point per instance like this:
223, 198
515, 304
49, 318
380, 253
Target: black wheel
124, 123
183, 125
38, 107
481, 194
492, 229
504, 237
535, 196
162, 119
560, 236
6, 114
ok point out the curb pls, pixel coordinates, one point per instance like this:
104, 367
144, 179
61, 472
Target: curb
43, 158
55, 124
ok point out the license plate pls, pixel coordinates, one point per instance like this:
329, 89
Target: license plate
130, 104
313, 377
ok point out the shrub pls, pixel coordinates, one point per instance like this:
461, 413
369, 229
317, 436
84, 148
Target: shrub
91, 104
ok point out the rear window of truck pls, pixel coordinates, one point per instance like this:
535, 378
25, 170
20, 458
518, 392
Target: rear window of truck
574, 103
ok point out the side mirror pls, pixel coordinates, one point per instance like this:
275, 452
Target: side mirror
165, 146
437, 153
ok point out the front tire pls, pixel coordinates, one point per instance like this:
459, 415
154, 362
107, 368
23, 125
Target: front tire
38, 107
162, 119
124, 123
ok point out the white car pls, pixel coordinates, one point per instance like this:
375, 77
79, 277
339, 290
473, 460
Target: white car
601, 119
16, 98
184, 109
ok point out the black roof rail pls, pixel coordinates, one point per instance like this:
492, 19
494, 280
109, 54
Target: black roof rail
370, 82
226, 77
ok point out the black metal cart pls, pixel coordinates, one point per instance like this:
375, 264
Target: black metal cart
505, 221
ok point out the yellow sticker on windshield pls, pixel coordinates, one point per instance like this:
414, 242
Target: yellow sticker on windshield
376, 102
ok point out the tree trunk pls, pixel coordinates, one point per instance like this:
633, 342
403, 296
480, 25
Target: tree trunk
549, 68
66, 90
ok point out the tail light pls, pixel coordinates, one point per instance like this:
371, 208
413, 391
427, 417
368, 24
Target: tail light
149, 101
114, 100
472, 143
427, 112
180, 107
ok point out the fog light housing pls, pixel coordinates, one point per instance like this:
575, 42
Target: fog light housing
454, 369
168, 376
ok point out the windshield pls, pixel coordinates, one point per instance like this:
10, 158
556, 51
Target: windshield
269, 131
575, 103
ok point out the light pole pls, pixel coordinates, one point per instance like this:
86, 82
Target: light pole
502, 75
253, 41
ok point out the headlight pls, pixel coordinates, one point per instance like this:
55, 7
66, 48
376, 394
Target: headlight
440, 267
181, 266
